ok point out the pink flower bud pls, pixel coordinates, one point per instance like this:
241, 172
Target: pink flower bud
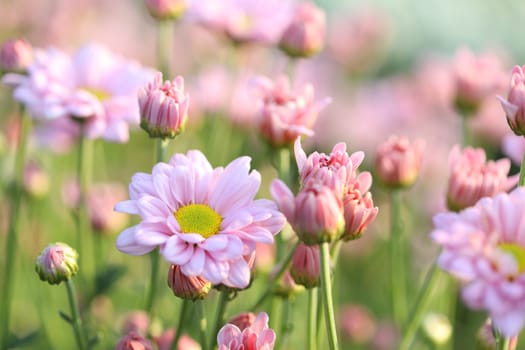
136, 321
35, 180
57, 263
318, 215
304, 36
359, 210
356, 323
305, 266
514, 105
166, 9
163, 107
15, 56
133, 341
398, 161
186, 287
472, 177
243, 321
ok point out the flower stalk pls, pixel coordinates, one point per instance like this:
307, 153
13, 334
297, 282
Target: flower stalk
328, 304
312, 319
397, 252
76, 321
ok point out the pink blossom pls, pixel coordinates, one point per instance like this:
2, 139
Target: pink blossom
243, 320
163, 107
398, 161
514, 105
472, 177
513, 146
204, 219
166, 9
133, 341
256, 337
15, 55
357, 323
136, 321
283, 114
304, 36
94, 86
483, 246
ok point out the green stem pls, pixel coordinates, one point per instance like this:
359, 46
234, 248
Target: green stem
465, 135
419, 308
286, 324
326, 285
282, 268
203, 327
224, 298
505, 344
312, 319
180, 324
75, 316
165, 32
521, 181
13, 229
397, 250
284, 165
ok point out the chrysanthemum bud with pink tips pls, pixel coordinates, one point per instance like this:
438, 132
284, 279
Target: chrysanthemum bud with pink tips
187, 287
472, 177
514, 105
398, 161
163, 107
57, 263
166, 9
15, 56
305, 266
304, 36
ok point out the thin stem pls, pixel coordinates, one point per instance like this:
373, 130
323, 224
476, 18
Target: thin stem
13, 229
398, 273
224, 298
180, 324
284, 165
285, 326
419, 308
164, 47
75, 315
505, 343
312, 319
203, 327
326, 285
465, 135
521, 181
283, 265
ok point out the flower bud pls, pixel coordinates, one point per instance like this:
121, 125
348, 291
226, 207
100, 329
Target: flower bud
186, 287
514, 105
304, 36
305, 266
357, 324
57, 263
35, 180
136, 321
163, 107
437, 328
133, 341
15, 56
166, 9
398, 161
243, 320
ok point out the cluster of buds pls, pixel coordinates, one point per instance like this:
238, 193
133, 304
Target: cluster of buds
334, 201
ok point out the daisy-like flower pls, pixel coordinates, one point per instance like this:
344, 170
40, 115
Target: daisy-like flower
258, 336
94, 86
203, 219
284, 114
484, 246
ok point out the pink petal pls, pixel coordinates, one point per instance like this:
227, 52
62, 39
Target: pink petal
177, 251
195, 266
129, 207
126, 243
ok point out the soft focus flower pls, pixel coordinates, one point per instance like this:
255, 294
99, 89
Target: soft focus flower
283, 114
514, 105
304, 36
483, 247
437, 328
386, 337
136, 321
95, 87
203, 219
244, 21
187, 287
257, 336
473, 177
358, 207
356, 323
15, 56
57, 263
305, 266
315, 214
476, 79
133, 341
398, 161
163, 107
243, 320
513, 146
485, 338
165, 340
35, 180
166, 9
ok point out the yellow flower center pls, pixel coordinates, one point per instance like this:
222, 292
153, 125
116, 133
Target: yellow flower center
517, 251
198, 218
101, 95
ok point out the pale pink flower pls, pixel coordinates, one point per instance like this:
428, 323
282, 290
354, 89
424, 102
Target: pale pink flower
284, 114
256, 337
513, 146
305, 266
398, 161
133, 341
304, 36
484, 247
514, 105
15, 55
203, 219
472, 177
476, 79
166, 9
94, 86
163, 107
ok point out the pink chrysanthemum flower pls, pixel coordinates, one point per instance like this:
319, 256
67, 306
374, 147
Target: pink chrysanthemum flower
94, 85
203, 219
284, 114
484, 246
258, 336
